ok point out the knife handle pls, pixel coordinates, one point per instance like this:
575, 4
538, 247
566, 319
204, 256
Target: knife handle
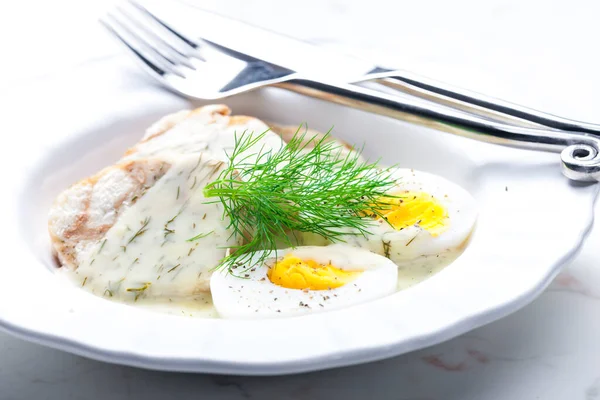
580, 153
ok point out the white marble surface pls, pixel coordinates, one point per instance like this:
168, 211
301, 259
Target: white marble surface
540, 53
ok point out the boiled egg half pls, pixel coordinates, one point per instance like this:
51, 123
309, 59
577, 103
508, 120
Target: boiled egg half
302, 280
428, 216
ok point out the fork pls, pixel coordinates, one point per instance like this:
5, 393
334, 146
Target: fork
200, 69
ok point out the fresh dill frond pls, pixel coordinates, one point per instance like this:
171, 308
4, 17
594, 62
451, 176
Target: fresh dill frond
309, 185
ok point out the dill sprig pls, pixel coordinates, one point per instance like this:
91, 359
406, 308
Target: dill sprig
309, 185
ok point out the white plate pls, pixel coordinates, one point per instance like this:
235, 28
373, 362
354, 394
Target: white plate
532, 221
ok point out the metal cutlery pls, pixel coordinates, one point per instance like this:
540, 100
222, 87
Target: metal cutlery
256, 41
466, 100
202, 69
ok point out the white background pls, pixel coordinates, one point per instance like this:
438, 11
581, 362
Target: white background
543, 54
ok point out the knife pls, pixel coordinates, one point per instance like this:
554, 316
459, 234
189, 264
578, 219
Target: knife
331, 66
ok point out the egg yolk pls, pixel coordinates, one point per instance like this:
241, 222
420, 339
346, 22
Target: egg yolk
295, 273
416, 208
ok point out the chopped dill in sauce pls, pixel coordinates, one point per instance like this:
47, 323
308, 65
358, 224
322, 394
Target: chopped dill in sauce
199, 236
140, 231
102, 246
174, 268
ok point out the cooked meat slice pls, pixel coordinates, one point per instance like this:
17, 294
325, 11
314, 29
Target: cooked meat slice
156, 189
167, 244
208, 129
83, 213
311, 136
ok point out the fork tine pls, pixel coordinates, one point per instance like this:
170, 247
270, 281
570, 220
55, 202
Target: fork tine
138, 55
160, 44
204, 48
142, 44
181, 37
139, 47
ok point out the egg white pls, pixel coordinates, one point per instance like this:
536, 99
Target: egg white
253, 295
413, 242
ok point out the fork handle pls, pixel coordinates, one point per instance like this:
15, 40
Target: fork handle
461, 98
580, 153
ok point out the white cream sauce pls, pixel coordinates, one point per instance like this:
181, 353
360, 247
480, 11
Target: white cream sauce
146, 259
201, 306
425, 267
202, 132
149, 253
